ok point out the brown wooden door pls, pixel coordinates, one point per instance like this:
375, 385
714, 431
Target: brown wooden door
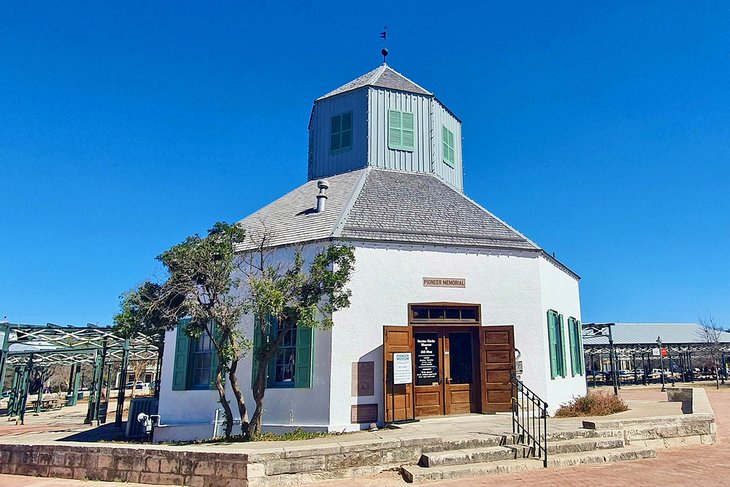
396, 339
459, 383
497, 362
429, 376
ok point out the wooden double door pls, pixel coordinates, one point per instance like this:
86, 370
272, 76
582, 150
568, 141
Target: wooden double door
456, 370
446, 370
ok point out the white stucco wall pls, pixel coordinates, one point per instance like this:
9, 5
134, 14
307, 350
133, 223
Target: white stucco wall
512, 287
189, 414
507, 284
560, 293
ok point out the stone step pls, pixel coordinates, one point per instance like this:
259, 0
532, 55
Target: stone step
415, 473
583, 445
584, 433
467, 442
461, 457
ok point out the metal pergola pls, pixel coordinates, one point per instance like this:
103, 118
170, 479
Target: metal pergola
28, 350
598, 340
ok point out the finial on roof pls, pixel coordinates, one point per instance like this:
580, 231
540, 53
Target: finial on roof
384, 36
384, 52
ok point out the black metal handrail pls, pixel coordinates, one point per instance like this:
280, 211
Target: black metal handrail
529, 420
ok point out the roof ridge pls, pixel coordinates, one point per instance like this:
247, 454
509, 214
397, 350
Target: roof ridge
340, 224
407, 79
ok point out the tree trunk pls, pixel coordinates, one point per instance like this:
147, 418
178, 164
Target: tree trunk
259, 387
222, 394
240, 401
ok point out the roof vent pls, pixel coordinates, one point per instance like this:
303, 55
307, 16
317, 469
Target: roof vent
322, 184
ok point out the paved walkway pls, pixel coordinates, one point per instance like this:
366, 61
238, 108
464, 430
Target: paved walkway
705, 465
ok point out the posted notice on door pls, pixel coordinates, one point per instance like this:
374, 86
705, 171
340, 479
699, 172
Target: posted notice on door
402, 368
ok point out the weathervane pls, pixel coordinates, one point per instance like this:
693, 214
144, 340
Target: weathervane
384, 36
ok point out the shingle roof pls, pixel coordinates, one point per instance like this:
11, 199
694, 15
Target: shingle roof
385, 206
647, 333
384, 77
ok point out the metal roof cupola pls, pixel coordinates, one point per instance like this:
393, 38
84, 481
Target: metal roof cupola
384, 120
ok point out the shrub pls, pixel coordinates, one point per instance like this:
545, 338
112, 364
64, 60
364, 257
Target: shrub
592, 404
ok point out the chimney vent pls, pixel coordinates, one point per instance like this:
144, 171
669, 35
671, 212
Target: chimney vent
322, 184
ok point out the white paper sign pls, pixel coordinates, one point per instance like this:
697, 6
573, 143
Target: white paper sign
402, 368
655, 352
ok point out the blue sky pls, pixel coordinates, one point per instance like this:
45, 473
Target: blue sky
601, 130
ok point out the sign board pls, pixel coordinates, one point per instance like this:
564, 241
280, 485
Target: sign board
665, 352
655, 352
402, 368
427, 359
444, 282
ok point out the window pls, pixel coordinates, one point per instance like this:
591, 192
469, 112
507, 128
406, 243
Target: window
576, 346
195, 360
200, 367
341, 133
556, 344
400, 130
448, 137
292, 365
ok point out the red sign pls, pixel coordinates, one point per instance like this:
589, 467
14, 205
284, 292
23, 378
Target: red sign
665, 352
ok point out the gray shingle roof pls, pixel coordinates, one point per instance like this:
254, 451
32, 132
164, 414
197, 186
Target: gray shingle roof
384, 77
385, 206
647, 333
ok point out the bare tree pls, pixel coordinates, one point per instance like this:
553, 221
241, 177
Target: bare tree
710, 334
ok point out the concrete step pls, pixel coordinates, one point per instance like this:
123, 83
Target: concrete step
583, 433
415, 473
461, 457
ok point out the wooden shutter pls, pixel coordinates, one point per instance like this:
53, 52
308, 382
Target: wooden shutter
182, 353
560, 342
394, 129
552, 345
258, 340
214, 357
579, 346
303, 358
407, 126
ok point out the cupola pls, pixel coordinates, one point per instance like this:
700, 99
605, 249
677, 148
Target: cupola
382, 119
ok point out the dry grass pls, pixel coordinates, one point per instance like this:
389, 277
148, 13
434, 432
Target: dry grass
593, 404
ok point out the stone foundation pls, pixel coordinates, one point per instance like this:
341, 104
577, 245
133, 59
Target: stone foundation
142, 465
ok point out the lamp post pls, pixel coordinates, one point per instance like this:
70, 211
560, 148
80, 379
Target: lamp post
661, 361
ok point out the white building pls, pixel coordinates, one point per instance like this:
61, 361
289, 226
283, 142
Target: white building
437, 276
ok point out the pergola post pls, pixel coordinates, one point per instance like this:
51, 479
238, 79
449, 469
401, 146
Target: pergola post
122, 383
4, 332
612, 353
92, 411
14, 396
39, 398
23, 386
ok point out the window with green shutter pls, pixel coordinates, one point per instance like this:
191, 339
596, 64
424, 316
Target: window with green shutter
401, 133
292, 365
341, 133
556, 340
196, 361
576, 346
448, 139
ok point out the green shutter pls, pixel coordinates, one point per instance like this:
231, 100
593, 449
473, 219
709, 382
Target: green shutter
579, 341
303, 367
182, 353
214, 358
552, 344
408, 135
258, 340
394, 129
561, 344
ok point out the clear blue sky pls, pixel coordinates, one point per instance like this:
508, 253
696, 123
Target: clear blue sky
601, 130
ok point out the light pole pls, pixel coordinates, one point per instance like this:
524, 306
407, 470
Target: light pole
661, 361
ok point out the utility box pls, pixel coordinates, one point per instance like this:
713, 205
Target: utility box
147, 405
